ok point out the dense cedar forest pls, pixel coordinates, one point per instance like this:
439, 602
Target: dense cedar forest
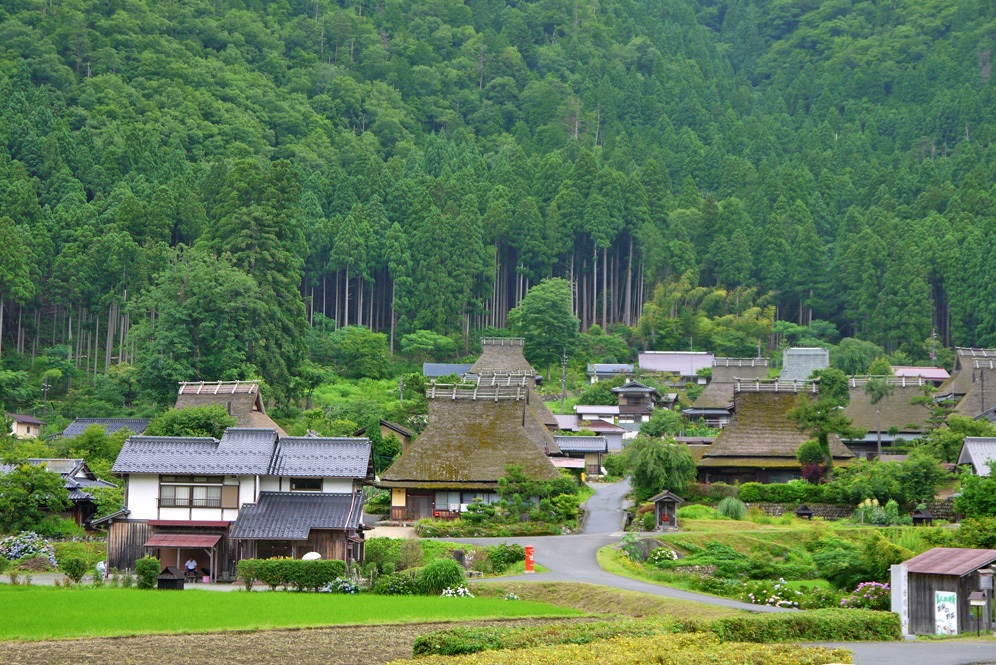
187, 188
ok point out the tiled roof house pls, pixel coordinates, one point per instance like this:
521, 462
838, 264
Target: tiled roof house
178, 488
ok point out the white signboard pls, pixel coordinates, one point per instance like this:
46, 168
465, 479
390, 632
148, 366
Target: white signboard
900, 596
945, 613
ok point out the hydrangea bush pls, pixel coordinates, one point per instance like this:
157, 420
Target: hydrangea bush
458, 592
27, 545
662, 554
775, 594
870, 596
341, 585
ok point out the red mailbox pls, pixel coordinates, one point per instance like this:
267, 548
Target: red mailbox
529, 559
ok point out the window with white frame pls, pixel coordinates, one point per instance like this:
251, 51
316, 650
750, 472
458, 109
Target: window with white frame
190, 491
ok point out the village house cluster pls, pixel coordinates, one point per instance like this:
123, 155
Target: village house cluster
257, 492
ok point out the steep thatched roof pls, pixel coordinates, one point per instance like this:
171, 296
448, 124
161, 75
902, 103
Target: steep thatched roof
980, 388
502, 354
470, 441
760, 432
719, 393
897, 409
963, 375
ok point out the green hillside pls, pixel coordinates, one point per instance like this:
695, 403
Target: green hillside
187, 186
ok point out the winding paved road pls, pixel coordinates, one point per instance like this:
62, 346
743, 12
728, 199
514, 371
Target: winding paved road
573, 559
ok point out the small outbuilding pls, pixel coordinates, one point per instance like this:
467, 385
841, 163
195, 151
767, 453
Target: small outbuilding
930, 592
666, 511
804, 512
923, 517
171, 578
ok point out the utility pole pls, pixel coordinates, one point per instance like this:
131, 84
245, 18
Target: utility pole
563, 380
44, 387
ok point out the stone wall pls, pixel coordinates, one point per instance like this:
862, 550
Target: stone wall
942, 510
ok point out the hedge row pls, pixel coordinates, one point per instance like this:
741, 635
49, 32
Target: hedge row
815, 626
300, 574
831, 625
458, 641
463, 529
669, 649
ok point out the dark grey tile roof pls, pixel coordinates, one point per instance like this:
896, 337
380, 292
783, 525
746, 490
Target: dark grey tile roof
73, 471
319, 456
248, 451
610, 368
291, 516
436, 370
240, 451
110, 425
582, 444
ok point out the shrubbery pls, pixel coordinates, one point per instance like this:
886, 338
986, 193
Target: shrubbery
820, 625
74, 568
731, 508
302, 575
501, 557
438, 575
397, 584
146, 571
813, 626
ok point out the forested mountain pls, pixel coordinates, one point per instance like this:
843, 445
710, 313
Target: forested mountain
186, 186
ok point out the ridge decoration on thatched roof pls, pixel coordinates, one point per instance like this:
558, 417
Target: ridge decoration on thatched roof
751, 385
896, 381
456, 391
740, 362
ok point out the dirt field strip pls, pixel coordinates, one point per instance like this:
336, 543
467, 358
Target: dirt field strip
342, 645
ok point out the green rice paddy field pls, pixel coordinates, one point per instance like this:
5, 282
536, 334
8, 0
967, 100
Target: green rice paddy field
40, 613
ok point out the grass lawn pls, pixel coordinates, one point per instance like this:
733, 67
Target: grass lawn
612, 561
597, 599
519, 568
53, 613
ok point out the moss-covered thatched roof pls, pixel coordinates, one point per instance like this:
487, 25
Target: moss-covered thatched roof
897, 409
719, 393
472, 441
980, 393
760, 428
502, 354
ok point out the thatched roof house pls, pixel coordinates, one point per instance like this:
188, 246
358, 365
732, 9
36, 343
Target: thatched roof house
965, 373
500, 353
503, 357
241, 399
898, 413
473, 433
715, 404
760, 442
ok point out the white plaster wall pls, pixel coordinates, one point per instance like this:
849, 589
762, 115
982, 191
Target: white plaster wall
247, 490
143, 496
269, 484
338, 485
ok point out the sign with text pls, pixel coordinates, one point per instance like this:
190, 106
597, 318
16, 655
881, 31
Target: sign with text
945, 613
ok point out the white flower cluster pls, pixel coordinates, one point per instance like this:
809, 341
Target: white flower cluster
459, 592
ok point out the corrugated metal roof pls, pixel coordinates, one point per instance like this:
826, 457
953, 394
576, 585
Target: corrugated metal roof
292, 516
800, 362
931, 373
26, 419
978, 451
950, 561
582, 444
182, 540
436, 370
597, 409
685, 363
610, 368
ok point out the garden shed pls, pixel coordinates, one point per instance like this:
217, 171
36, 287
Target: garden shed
666, 510
936, 586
